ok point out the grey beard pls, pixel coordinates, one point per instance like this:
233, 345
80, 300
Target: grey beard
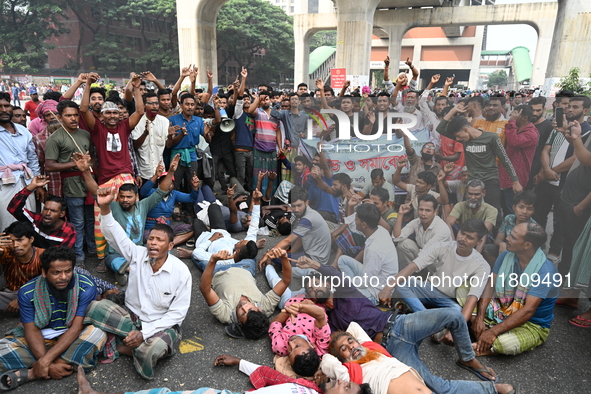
152, 261
409, 109
474, 205
361, 354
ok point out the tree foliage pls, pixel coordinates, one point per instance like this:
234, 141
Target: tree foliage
323, 38
574, 83
497, 78
25, 27
113, 51
257, 35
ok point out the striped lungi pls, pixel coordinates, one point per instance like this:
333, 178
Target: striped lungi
120, 321
263, 162
287, 174
16, 354
99, 238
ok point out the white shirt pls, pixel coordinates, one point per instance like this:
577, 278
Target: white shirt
380, 259
160, 299
150, 153
438, 231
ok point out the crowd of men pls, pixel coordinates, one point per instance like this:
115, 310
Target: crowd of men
451, 247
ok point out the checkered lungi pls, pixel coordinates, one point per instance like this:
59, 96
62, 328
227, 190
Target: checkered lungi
120, 321
524, 338
263, 162
99, 238
16, 354
350, 243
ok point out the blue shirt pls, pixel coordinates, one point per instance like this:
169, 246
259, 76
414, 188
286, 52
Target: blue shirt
322, 201
166, 206
18, 148
509, 223
59, 309
547, 291
194, 129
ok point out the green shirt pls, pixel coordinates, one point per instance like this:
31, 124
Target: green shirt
134, 221
487, 212
60, 148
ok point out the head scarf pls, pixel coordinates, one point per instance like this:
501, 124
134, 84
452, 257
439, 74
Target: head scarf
45, 106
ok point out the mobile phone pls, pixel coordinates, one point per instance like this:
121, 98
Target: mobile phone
558, 115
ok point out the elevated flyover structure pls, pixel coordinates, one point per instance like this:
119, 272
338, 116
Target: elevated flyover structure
563, 27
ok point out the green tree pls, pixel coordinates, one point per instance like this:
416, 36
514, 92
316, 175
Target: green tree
497, 78
25, 28
574, 83
323, 38
256, 35
155, 50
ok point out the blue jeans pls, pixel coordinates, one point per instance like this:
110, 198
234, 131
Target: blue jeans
76, 215
248, 264
273, 278
89, 228
116, 263
407, 333
418, 296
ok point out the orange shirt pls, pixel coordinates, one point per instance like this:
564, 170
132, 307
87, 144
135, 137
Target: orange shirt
17, 273
498, 127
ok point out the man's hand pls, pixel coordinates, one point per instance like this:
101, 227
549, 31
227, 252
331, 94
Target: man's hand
408, 62
578, 210
449, 81
159, 170
272, 176
133, 339
404, 209
226, 360
435, 78
371, 116
573, 132
230, 193
60, 370
41, 369
277, 253
261, 175
216, 236
38, 182
316, 172
92, 78
306, 262
244, 73
41, 195
441, 176
193, 75
12, 306
195, 181
402, 162
174, 164
347, 84
149, 76
82, 78
136, 81
320, 84
6, 242
354, 200
515, 114
478, 327
448, 167
209, 74
387, 61
461, 109
517, 187
385, 297
485, 341
256, 196
221, 255
186, 71
82, 161
106, 195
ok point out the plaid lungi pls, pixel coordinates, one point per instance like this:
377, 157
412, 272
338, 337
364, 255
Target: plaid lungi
350, 243
120, 321
526, 337
286, 174
99, 238
16, 354
263, 162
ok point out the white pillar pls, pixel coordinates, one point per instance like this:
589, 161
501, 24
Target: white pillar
302, 36
543, 52
354, 30
395, 34
475, 69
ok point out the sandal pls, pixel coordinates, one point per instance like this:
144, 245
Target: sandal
15, 381
101, 267
478, 372
574, 322
190, 243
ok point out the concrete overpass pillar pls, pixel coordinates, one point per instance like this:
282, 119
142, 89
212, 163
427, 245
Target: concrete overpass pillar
302, 36
197, 36
354, 30
545, 31
395, 33
571, 44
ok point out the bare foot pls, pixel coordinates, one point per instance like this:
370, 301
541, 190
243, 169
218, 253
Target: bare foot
475, 364
261, 243
83, 385
183, 253
503, 388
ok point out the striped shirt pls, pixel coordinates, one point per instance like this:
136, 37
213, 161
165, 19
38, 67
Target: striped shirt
59, 308
265, 138
17, 273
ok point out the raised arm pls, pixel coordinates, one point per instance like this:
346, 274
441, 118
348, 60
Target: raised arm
396, 178
387, 68
344, 89
84, 110
209, 294
139, 103
150, 77
70, 93
448, 82
177, 86
323, 102
193, 79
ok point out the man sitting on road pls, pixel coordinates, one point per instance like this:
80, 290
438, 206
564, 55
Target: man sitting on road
50, 224
514, 315
473, 207
428, 229
234, 298
52, 335
157, 297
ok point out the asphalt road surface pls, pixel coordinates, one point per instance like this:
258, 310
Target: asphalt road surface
561, 365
